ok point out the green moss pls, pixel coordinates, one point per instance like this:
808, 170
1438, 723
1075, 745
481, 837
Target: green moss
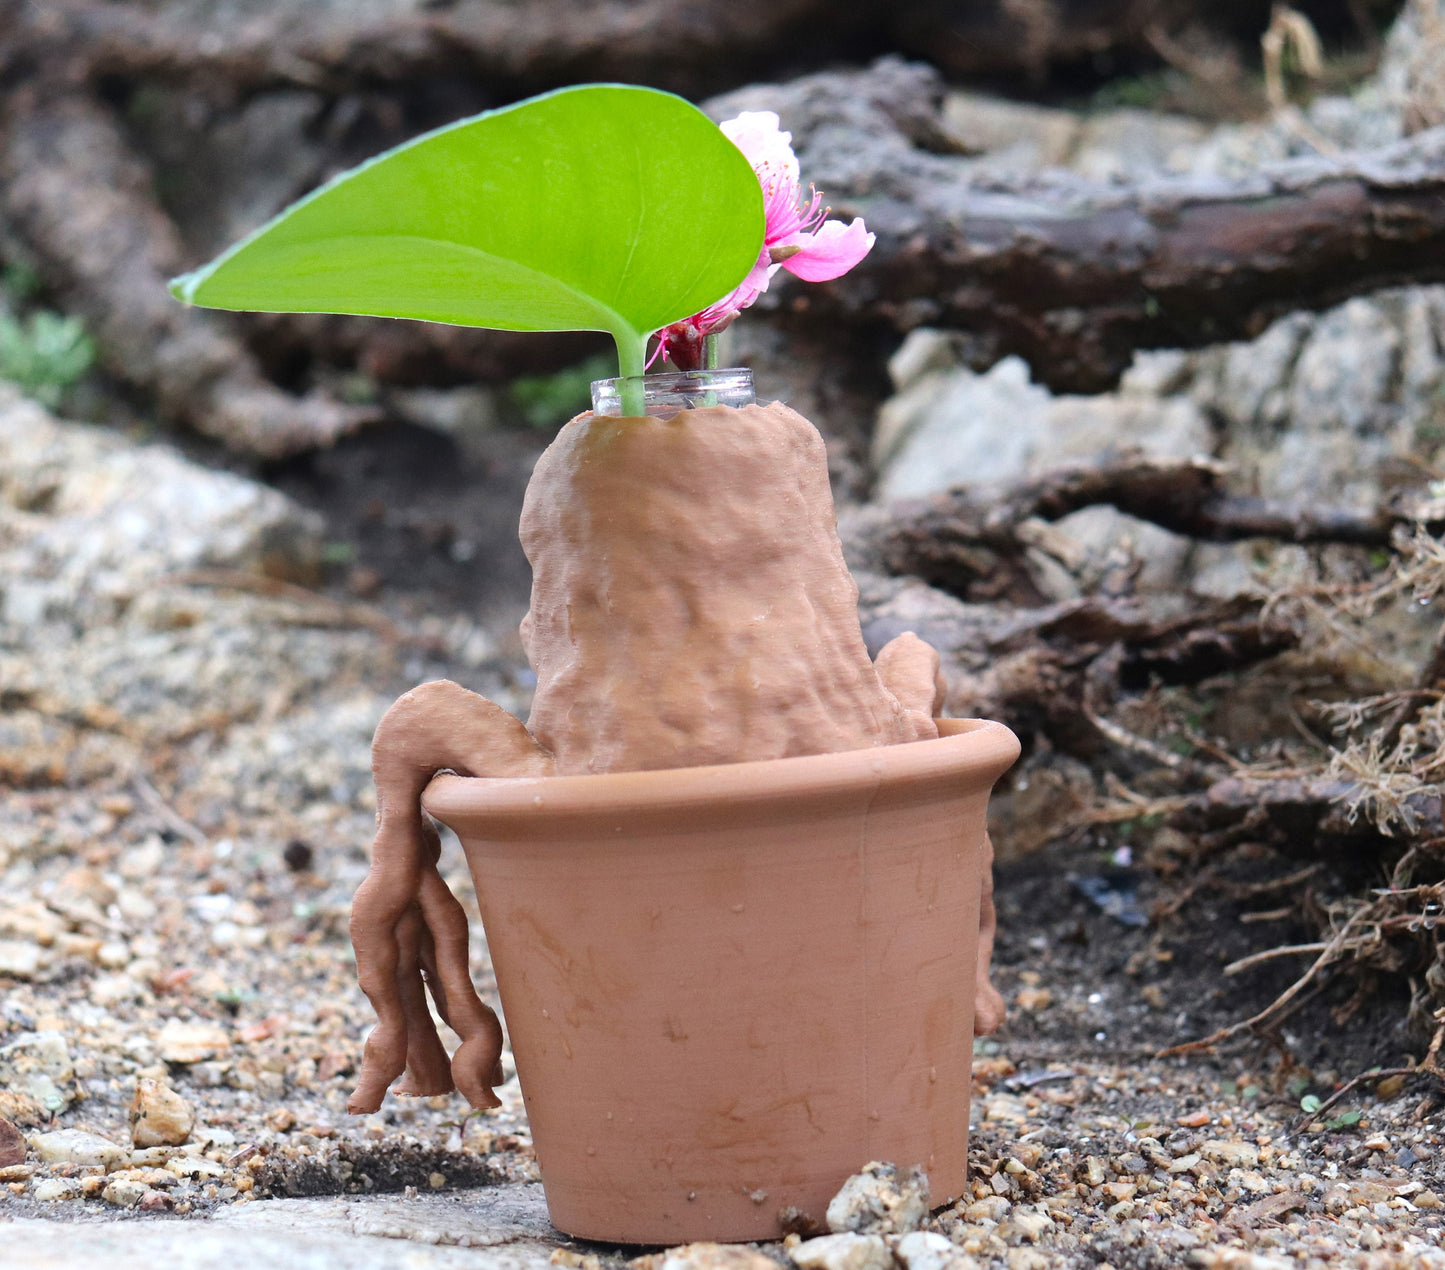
548, 401
44, 354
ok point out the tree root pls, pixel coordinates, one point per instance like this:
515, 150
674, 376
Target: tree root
1428, 1066
78, 197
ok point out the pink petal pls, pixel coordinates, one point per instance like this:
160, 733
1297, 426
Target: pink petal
757, 279
829, 252
764, 144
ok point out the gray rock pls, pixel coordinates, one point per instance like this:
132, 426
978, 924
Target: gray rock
952, 428
1332, 406
1248, 385
37, 1064
93, 520
1344, 372
500, 1228
1124, 145
1410, 81
881, 1199
490, 1217
959, 428
1338, 407
922, 352
1113, 545
98, 622
467, 413
302, 1235
1016, 136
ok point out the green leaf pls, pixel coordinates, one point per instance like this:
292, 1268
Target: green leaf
1310, 1103
1345, 1120
603, 207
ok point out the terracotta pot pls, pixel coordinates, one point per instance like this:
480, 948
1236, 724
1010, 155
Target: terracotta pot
730, 987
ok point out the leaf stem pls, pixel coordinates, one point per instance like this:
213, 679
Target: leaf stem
710, 352
631, 365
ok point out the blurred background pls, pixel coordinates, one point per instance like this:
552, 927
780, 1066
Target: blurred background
1135, 411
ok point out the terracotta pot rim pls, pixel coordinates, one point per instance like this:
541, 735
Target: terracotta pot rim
977, 749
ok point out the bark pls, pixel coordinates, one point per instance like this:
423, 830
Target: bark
1071, 276
81, 201
957, 539
1057, 668
1301, 814
678, 44
335, 45
1074, 276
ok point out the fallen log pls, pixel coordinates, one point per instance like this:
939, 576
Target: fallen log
79, 199
1075, 276
1056, 668
232, 51
678, 44
941, 539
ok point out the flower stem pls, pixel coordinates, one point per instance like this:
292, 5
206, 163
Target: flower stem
710, 353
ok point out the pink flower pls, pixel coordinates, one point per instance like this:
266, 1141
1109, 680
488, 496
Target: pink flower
798, 237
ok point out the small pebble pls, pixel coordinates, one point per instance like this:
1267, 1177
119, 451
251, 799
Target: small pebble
56, 1188
38, 1065
12, 1145
124, 1192
927, 1250
180, 1042
159, 1116
1231, 1154
75, 1146
1028, 1225
846, 1251
880, 1200
298, 856
19, 959
708, 1256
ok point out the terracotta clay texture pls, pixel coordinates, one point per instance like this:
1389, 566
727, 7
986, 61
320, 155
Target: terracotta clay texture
690, 603
690, 606
728, 987
408, 930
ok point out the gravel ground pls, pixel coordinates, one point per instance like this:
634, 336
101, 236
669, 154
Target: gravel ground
189, 808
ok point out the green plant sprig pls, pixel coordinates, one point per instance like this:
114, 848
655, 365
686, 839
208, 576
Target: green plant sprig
603, 207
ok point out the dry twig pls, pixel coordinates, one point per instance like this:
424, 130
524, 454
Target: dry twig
1429, 1066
